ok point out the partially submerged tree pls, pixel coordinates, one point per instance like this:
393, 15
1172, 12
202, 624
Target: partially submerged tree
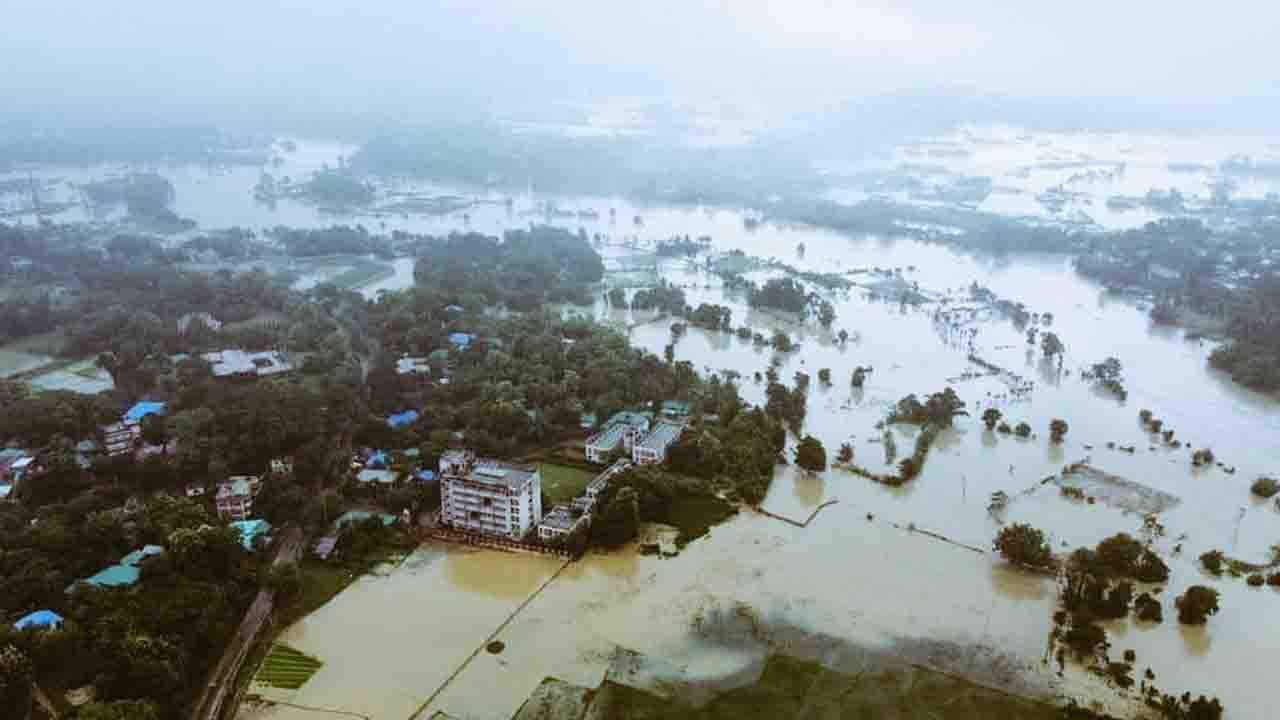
811, 456
1196, 605
1024, 545
1058, 430
990, 417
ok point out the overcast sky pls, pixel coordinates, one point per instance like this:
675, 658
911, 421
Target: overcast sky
344, 55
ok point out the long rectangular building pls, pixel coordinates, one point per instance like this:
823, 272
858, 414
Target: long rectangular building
489, 496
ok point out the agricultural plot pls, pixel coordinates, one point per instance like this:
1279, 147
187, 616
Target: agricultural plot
286, 668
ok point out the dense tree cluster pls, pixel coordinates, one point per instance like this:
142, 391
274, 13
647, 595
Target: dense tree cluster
151, 643
522, 270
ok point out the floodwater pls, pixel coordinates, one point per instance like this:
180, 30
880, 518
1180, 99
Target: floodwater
392, 641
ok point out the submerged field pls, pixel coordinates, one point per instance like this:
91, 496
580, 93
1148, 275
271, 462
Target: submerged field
789, 688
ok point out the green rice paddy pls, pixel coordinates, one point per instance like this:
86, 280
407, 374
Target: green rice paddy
286, 668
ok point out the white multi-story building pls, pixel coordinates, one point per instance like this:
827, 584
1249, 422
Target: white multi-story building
489, 496
652, 450
621, 431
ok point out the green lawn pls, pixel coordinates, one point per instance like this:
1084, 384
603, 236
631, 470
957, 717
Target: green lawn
562, 483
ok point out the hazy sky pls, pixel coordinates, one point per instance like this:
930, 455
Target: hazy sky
389, 56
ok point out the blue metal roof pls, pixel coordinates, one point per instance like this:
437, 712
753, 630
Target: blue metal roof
425, 475
39, 619
143, 409
250, 530
377, 459
116, 576
460, 339
399, 420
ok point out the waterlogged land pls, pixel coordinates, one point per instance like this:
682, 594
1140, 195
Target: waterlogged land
896, 572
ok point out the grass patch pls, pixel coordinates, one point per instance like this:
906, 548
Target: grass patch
563, 483
320, 582
284, 667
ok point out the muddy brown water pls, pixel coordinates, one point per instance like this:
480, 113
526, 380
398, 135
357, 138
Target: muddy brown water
391, 640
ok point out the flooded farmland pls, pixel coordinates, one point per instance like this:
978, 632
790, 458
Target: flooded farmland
900, 571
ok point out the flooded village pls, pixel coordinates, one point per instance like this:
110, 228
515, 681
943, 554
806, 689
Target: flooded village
837, 592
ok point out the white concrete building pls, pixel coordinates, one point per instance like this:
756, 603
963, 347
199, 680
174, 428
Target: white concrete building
652, 450
621, 431
489, 496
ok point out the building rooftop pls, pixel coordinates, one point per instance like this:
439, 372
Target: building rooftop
628, 417
238, 362
675, 408
496, 473
561, 517
663, 435
609, 437
399, 420
251, 530
143, 409
385, 477
39, 619
236, 487
413, 366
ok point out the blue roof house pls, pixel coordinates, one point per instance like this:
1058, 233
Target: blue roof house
39, 619
399, 420
459, 339
250, 532
143, 409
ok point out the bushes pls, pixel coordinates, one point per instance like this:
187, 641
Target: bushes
1212, 562
1023, 430
1265, 487
1148, 609
1196, 605
1024, 545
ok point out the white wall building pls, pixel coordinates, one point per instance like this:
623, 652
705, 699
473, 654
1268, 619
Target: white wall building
621, 431
489, 496
652, 450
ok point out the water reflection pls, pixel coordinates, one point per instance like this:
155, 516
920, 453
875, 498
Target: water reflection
1196, 639
1018, 585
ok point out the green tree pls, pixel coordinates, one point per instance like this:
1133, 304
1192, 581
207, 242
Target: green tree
620, 522
990, 417
1024, 545
811, 456
824, 376
1196, 605
859, 376
1023, 430
15, 683
119, 710
1057, 430
1051, 345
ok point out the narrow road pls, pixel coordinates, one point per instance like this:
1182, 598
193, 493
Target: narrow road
223, 677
